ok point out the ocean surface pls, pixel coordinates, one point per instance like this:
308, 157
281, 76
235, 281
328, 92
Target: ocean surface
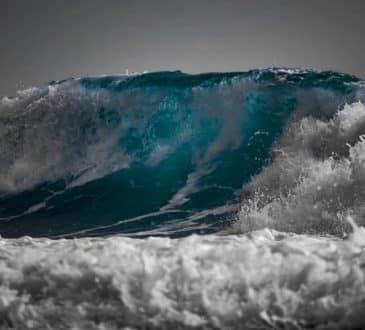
172, 201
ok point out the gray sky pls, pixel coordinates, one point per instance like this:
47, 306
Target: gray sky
43, 40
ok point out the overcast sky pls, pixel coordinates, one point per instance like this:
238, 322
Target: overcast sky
44, 40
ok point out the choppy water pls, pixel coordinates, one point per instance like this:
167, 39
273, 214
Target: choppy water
250, 184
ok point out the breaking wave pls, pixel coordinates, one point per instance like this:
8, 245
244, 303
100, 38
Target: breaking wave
254, 183
156, 154
316, 180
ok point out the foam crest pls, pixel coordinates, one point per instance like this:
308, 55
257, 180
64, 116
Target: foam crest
316, 178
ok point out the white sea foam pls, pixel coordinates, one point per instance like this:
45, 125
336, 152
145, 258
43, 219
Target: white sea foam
316, 179
265, 280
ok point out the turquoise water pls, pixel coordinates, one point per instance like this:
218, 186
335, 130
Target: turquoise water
164, 153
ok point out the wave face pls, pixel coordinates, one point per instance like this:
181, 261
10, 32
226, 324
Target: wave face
158, 154
252, 186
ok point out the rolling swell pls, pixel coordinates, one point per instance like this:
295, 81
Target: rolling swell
163, 153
